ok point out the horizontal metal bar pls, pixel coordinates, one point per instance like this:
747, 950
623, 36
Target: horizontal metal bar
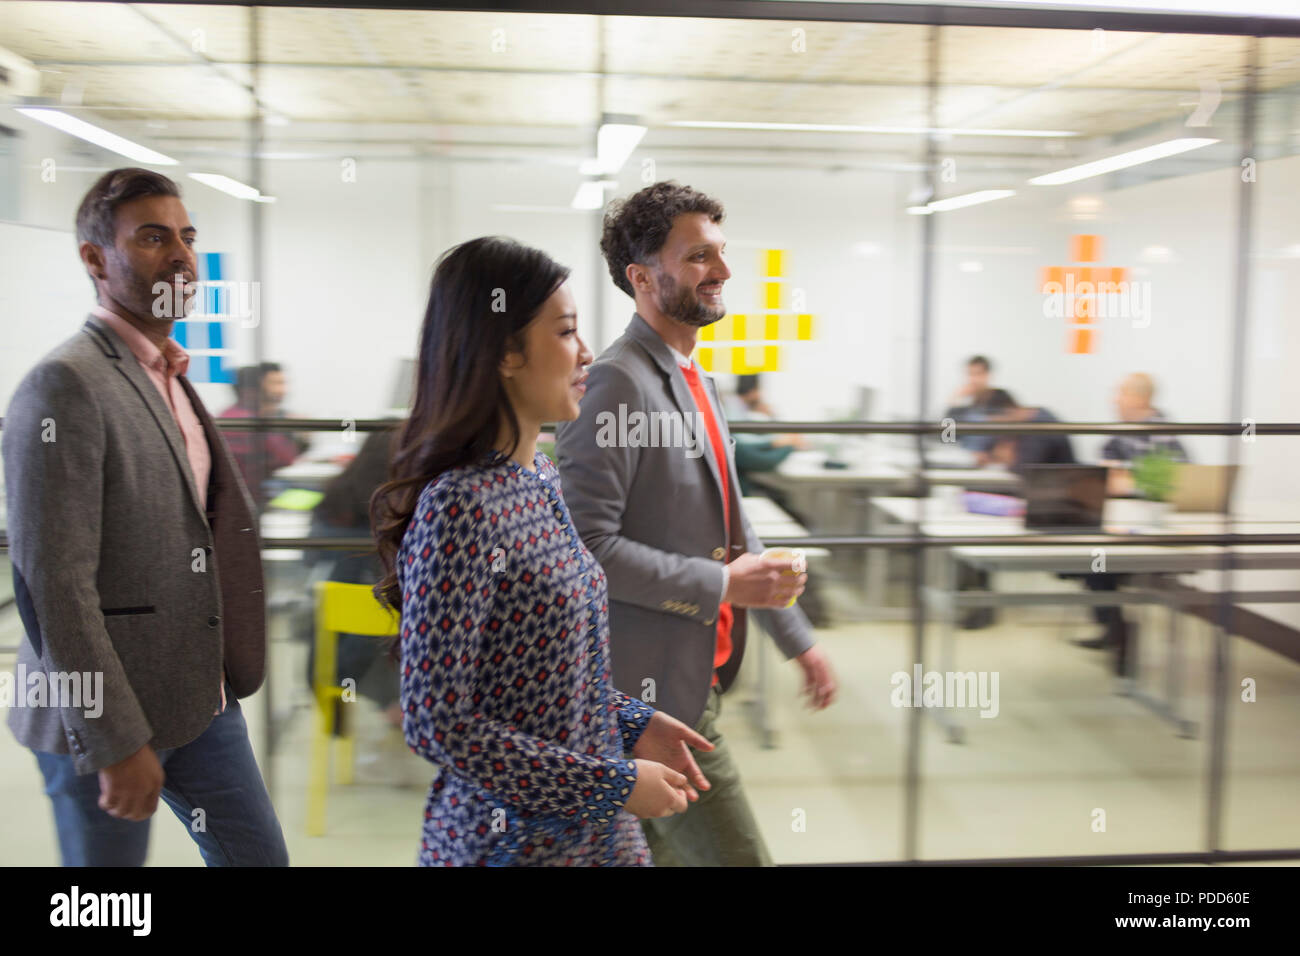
1043, 18
940, 598
891, 541
830, 428
905, 541
1109, 859
1021, 428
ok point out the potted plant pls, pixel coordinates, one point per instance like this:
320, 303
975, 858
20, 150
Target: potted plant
1153, 476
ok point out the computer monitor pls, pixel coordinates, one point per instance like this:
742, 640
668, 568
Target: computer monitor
1067, 498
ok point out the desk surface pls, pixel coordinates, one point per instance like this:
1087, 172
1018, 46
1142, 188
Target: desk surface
1121, 515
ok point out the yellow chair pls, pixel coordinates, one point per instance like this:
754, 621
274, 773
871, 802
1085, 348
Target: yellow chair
340, 609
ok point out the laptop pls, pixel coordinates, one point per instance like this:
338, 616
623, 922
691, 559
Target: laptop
1202, 487
1064, 498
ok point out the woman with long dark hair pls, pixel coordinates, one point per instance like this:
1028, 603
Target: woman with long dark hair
504, 615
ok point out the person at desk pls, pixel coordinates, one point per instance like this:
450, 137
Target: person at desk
973, 401
344, 512
259, 393
758, 452
1133, 403
1017, 452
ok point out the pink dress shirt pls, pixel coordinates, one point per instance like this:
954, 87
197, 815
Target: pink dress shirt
163, 366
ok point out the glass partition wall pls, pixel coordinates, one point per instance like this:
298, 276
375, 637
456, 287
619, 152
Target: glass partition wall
1104, 215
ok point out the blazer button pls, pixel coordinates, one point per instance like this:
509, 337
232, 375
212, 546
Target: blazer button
719, 554
213, 621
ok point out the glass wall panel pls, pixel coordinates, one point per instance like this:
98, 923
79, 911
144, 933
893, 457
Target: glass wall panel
900, 198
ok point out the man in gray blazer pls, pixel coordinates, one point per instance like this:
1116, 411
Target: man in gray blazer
649, 474
136, 561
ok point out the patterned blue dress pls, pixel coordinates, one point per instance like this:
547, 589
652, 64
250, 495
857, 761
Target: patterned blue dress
506, 678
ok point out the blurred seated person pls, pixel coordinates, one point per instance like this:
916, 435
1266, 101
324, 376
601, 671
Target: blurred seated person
1018, 452
1133, 403
758, 452
972, 400
344, 512
1014, 453
749, 402
259, 393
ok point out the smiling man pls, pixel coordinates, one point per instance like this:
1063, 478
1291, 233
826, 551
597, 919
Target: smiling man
667, 526
135, 557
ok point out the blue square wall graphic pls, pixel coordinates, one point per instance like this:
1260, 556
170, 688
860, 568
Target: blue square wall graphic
208, 335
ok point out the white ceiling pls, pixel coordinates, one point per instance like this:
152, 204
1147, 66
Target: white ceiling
178, 74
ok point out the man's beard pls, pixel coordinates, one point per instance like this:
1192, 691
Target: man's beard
680, 303
138, 295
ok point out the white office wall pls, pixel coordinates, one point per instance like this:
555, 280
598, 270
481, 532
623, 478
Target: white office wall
348, 265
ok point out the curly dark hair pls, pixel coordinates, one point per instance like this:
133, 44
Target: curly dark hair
636, 228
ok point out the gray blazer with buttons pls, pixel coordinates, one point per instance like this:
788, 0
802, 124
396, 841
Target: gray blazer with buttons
117, 569
652, 516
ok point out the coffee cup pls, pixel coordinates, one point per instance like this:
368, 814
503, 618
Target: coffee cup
798, 562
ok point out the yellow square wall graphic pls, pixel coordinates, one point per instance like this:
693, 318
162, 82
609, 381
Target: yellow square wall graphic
746, 342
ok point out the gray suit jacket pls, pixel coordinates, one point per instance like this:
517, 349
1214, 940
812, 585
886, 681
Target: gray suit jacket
653, 518
117, 569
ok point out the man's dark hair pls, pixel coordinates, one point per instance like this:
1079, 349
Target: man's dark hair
248, 380
999, 400
980, 360
97, 214
636, 228
746, 384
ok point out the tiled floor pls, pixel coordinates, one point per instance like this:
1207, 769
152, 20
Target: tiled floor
1063, 751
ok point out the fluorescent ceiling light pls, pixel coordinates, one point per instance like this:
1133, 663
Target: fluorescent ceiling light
843, 128
969, 199
1121, 161
79, 128
591, 194
919, 210
230, 186
614, 144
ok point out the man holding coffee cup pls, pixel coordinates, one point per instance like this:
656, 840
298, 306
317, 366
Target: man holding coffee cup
666, 522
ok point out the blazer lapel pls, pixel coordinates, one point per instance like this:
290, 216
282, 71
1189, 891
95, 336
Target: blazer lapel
685, 401
129, 367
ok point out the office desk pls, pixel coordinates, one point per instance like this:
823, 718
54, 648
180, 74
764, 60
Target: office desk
314, 475
838, 499
1150, 562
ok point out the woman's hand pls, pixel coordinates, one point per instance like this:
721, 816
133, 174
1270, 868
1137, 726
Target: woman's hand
659, 791
667, 740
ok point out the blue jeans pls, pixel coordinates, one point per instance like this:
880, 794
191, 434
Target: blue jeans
215, 773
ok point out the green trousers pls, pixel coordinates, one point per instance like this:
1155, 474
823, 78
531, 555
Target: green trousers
719, 829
